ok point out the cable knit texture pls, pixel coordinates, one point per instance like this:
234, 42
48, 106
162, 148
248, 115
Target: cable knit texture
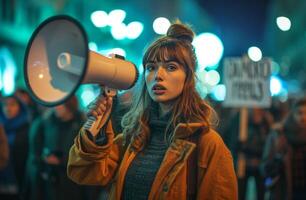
144, 167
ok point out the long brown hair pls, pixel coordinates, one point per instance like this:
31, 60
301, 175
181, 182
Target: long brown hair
188, 107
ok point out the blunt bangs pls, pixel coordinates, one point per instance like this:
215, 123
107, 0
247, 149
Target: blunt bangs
166, 50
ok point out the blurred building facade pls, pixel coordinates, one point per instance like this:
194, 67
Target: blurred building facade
19, 18
288, 48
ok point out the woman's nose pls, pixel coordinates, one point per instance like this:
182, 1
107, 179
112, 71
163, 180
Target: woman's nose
159, 75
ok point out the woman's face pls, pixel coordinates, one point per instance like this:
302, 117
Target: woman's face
300, 116
164, 80
10, 108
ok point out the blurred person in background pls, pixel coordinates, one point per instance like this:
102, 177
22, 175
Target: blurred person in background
15, 120
33, 189
4, 148
259, 123
226, 115
34, 109
279, 111
284, 159
51, 138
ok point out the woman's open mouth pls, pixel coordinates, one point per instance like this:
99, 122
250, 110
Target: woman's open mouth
158, 89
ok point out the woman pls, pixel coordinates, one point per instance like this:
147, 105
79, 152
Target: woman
284, 160
168, 149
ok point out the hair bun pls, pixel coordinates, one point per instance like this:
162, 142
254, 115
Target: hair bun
180, 32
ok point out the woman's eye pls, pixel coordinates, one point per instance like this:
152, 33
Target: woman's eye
171, 67
150, 67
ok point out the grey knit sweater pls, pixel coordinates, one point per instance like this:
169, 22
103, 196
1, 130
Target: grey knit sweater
142, 171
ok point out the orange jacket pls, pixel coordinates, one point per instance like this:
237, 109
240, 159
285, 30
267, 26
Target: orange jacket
101, 165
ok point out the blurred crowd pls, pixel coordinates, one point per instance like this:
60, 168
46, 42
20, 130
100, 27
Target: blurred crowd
35, 143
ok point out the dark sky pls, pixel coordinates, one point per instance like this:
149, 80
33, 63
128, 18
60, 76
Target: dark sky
241, 23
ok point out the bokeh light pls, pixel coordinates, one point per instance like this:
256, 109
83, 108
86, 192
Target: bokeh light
218, 92
283, 23
161, 25
209, 49
99, 18
275, 85
254, 53
118, 31
134, 29
93, 46
8, 71
116, 17
212, 77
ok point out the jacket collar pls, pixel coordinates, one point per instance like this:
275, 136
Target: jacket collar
178, 152
184, 130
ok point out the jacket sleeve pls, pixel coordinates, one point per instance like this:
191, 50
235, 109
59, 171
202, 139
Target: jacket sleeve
216, 177
92, 164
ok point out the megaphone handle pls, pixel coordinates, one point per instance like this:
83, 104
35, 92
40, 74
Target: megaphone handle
93, 125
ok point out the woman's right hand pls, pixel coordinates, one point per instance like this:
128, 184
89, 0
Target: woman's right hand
98, 112
100, 106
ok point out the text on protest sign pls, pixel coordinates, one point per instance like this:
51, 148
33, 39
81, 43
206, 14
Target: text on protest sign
247, 83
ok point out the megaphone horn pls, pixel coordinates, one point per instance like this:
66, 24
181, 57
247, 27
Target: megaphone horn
58, 60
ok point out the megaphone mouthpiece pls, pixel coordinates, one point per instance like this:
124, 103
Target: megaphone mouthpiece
70, 63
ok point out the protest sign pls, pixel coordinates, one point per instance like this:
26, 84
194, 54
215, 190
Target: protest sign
247, 82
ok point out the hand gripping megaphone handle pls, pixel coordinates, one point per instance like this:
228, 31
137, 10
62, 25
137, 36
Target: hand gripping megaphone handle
93, 125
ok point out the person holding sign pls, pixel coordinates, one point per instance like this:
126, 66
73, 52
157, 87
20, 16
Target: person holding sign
168, 149
258, 128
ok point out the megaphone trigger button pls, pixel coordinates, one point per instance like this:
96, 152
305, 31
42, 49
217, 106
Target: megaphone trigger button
119, 56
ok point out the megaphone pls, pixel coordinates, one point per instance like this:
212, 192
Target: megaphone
58, 60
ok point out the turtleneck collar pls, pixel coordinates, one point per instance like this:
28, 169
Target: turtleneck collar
182, 130
157, 123
155, 116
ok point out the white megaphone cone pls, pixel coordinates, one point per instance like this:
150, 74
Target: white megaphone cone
58, 60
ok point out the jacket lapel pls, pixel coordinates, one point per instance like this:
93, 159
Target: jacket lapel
177, 153
125, 163
173, 161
